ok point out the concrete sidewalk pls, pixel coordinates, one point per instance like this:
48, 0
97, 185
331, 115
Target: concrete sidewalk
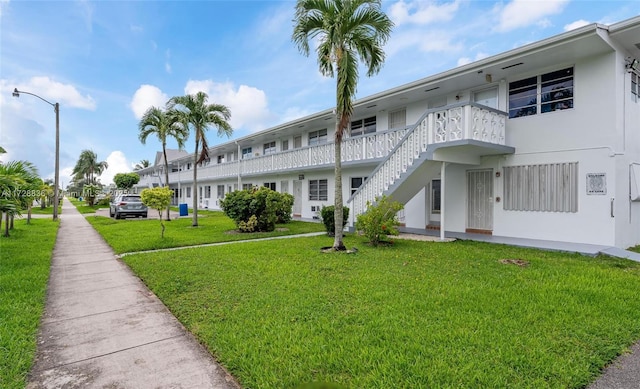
102, 327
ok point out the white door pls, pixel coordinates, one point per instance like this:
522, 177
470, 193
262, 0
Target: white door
480, 200
297, 197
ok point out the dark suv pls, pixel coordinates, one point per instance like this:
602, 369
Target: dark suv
127, 205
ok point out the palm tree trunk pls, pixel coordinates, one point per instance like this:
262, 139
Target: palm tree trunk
166, 179
6, 224
194, 223
12, 218
29, 214
338, 202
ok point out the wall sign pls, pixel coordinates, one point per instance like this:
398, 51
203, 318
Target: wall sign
596, 183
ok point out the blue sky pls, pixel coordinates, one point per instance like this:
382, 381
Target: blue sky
106, 62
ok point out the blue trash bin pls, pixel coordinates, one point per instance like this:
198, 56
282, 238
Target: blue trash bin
184, 210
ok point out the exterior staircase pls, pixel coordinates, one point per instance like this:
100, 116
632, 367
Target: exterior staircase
459, 133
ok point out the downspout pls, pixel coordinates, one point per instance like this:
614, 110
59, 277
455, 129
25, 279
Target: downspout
239, 166
442, 197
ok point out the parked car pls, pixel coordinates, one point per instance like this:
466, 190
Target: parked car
127, 205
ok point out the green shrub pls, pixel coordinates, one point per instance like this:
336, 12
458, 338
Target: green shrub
379, 220
104, 201
327, 216
284, 206
266, 206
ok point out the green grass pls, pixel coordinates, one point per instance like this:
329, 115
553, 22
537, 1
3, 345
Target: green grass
36, 210
24, 262
82, 206
138, 235
279, 314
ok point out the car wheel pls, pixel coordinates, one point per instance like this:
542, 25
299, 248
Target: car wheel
110, 213
117, 215
145, 215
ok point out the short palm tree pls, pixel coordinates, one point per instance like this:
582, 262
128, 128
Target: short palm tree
346, 30
163, 124
19, 181
197, 115
143, 164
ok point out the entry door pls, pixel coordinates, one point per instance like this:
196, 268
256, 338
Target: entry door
297, 197
480, 200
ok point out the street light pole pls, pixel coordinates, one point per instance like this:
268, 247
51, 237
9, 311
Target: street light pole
56, 109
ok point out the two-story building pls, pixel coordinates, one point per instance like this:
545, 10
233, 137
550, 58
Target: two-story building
540, 142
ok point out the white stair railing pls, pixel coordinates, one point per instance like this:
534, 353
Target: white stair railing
439, 125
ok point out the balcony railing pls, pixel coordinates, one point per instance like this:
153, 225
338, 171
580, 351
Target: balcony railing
440, 125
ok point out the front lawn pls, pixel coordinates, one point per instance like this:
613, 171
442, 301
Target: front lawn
24, 262
279, 314
138, 235
36, 210
82, 206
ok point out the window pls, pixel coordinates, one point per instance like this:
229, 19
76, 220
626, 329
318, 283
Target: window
317, 137
487, 97
270, 185
297, 142
220, 191
247, 153
189, 166
435, 196
397, 119
363, 126
207, 192
285, 145
546, 93
318, 190
200, 192
546, 188
635, 91
356, 182
269, 148
220, 158
188, 191
247, 186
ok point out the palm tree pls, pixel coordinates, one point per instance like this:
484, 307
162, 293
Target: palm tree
19, 181
88, 167
143, 164
196, 115
162, 124
347, 30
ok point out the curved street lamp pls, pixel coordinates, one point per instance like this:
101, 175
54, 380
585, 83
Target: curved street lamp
56, 109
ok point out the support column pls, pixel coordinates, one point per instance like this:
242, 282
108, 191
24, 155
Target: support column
442, 202
239, 167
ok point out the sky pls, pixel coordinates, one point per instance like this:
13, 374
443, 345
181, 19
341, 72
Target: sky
106, 62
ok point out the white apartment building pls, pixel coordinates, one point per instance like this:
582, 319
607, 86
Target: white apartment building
540, 142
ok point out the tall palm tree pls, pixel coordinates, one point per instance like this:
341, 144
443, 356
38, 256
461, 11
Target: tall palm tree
143, 164
197, 115
347, 31
88, 167
163, 125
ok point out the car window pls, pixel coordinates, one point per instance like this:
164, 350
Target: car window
131, 198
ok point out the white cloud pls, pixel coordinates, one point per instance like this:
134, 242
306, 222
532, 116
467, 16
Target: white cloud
294, 113
422, 12
425, 41
117, 164
135, 28
576, 24
3, 3
248, 105
522, 13
466, 60
147, 96
65, 94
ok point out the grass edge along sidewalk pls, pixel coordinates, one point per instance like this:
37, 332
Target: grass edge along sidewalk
25, 259
414, 314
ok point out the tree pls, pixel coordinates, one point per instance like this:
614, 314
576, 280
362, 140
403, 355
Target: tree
19, 184
197, 115
88, 167
126, 180
158, 199
163, 125
143, 164
347, 30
